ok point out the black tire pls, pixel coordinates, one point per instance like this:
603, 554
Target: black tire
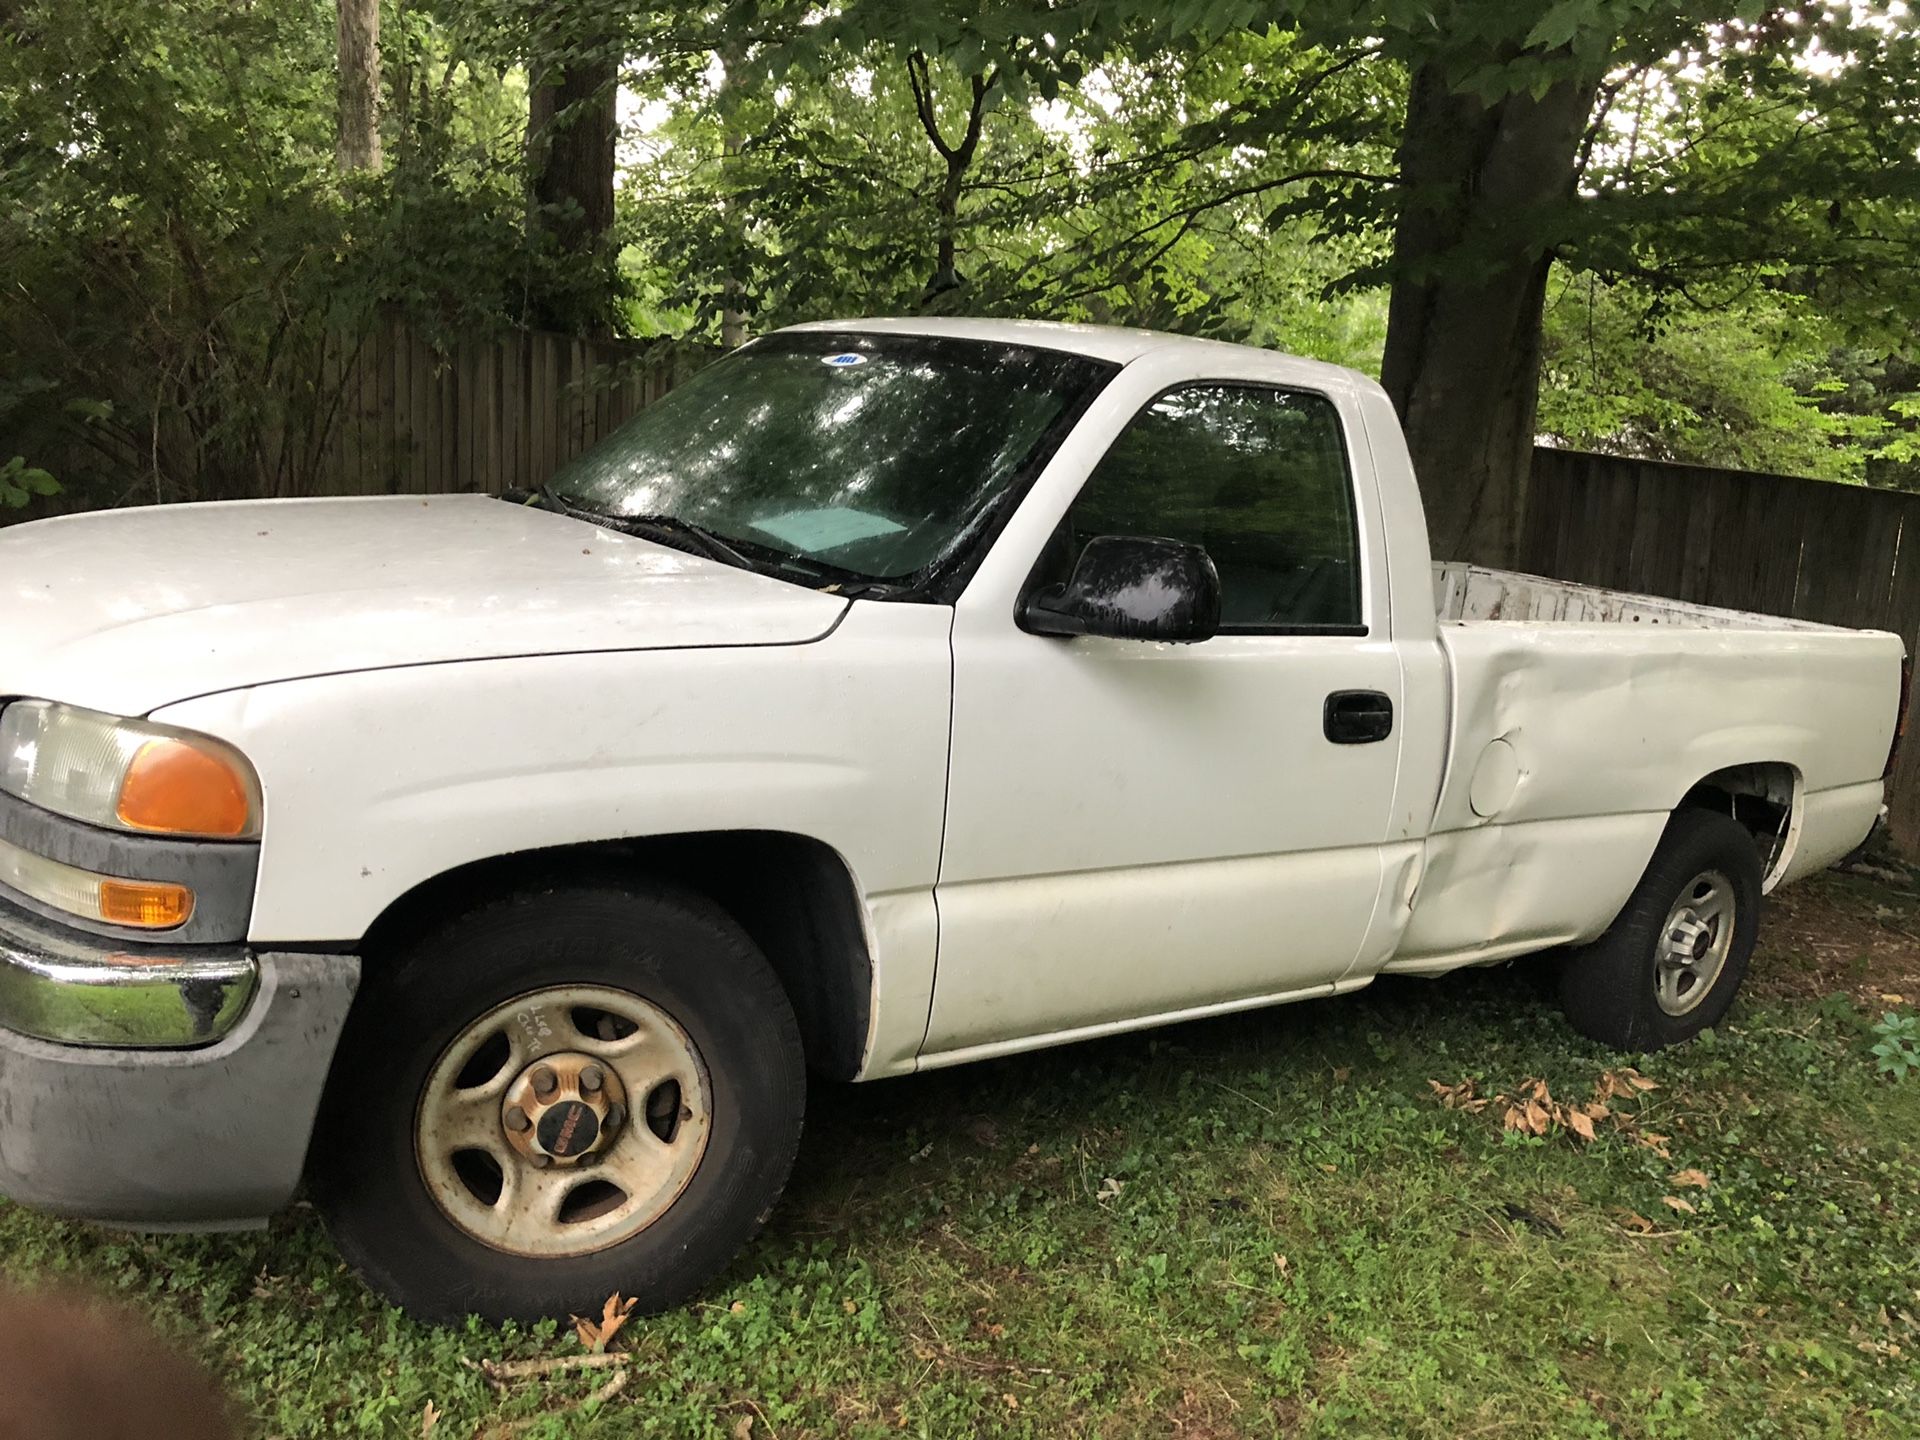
671, 948
1610, 989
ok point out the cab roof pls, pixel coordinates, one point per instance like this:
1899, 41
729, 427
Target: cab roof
1113, 343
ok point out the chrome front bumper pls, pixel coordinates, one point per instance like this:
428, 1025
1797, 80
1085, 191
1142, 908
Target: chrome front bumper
75, 989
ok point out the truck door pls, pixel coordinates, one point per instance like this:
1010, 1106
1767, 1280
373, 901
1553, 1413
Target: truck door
1139, 830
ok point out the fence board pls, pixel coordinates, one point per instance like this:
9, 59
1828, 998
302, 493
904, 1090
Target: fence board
482, 414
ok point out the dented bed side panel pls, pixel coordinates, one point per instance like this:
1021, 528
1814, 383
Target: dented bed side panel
1571, 744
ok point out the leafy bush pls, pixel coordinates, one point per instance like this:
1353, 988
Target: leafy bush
1898, 1050
20, 482
192, 275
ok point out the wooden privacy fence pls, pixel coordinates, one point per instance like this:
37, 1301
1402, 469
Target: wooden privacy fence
1837, 554
485, 415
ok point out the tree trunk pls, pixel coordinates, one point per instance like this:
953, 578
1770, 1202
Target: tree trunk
357, 132
571, 129
570, 141
1483, 186
733, 320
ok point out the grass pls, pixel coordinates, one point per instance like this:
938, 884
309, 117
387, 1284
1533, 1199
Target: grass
1267, 1225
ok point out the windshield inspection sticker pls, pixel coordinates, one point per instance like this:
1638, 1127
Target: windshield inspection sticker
843, 360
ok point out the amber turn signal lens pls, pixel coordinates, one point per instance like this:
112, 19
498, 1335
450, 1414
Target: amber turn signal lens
150, 906
180, 789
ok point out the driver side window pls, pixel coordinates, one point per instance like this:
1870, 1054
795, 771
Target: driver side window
1257, 476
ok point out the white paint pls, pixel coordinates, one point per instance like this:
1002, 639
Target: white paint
126, 610
1135, 829
1131, 832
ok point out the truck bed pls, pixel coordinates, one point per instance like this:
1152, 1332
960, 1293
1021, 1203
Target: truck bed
1579, 718
1463, 592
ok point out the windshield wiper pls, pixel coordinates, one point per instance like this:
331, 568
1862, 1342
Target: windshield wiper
685, 536
668, 530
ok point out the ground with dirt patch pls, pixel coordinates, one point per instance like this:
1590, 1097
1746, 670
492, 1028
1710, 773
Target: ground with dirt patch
1276, 1224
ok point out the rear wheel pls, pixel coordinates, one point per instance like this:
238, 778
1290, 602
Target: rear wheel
556, 1097
1671, 963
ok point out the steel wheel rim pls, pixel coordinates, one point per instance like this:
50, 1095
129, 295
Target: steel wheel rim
1694, 943
543, 1207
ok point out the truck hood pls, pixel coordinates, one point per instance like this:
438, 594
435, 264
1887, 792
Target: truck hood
128, 610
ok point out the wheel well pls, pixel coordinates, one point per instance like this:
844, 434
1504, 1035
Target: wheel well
792, 894
1761, 797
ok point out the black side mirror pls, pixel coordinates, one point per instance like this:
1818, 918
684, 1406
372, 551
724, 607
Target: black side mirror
1130, 588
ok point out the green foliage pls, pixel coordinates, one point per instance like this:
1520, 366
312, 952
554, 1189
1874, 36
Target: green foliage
1741, 385
20, 482
189, 272
1898, 1047
1143, 198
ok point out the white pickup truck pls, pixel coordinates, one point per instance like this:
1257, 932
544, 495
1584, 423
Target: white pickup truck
892, 694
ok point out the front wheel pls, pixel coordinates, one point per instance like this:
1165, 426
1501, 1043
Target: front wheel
558, 1096
1671, 963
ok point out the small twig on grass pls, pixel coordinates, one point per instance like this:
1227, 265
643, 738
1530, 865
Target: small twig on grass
772, 1434
498, 1370
612, 1388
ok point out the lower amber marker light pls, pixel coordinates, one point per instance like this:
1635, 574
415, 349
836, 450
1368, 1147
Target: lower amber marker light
140, 904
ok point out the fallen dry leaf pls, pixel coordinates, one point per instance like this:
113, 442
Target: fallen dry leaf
1685, 1207
1695, 1178
1635, 1221
429, 1418
1580, 1123
595, 1335
738, 1307
743, 1428
1624, 1081
1282, 1264
1109, 1188
1460, 1096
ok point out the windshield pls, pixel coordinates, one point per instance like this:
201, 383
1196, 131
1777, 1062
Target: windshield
877, 455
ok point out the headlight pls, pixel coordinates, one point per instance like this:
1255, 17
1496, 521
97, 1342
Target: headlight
126, 774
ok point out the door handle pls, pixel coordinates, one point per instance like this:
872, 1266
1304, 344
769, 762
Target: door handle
1358, 717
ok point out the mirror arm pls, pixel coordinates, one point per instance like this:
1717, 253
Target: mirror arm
1037, 617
